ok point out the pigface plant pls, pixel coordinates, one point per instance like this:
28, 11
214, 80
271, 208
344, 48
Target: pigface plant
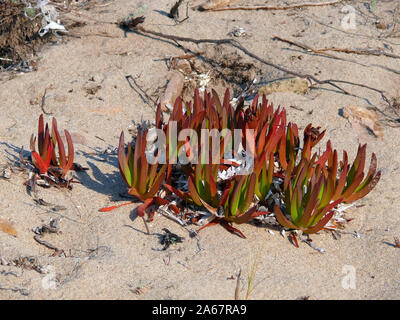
300, 187
51, 167
143, 179
308, 199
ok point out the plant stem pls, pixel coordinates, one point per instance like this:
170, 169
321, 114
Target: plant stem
145, 224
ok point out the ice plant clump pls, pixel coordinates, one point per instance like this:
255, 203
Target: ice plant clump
143, 179
300, 186
45, 159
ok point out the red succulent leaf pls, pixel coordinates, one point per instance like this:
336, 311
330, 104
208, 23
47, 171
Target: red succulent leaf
317, 217
312, 203
61, 149
249, 215
249, 195
157, 183
320, 225
325, 156
40, 134
217, 101
46, 143
342, 178
107, 209
183, 195
213, 222
43, 166
294, 239
225, 195
159, 117
364, 191
282, 219
70, 161
126, 173
193, 192
235, 195
368, 184
228, 226
210, 208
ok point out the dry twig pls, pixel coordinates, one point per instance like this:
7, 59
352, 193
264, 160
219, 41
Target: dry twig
237, 289
343, 50
295, 6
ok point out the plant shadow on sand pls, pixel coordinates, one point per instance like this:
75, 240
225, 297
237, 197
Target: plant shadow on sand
13, 152
110, 184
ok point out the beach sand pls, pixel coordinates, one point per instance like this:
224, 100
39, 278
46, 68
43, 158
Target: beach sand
108, 255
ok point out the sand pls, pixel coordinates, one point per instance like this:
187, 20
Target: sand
108, 255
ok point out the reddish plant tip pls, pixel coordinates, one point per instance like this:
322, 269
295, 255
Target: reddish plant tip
294, 238
108, 209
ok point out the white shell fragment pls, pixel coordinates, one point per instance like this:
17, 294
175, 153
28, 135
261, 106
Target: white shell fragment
51, 26
238, 32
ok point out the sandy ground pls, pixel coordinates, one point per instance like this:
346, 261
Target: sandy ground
108, 255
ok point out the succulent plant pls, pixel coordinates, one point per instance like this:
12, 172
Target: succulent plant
143, 179
238, 197
308, 198
350, 186
46, 159
313, 183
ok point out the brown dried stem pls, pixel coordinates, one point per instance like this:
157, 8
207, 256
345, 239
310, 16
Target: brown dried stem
295, 6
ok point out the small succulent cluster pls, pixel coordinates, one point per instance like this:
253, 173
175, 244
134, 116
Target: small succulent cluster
48, 165
299, 187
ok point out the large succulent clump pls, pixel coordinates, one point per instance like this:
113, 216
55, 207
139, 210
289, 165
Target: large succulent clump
300, 187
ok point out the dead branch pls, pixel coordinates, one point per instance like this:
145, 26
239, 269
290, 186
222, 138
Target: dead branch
128, 78
43, 102
302, 46
344, 50
45, 243
295, 6
94, 34
361, 52
323, 53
